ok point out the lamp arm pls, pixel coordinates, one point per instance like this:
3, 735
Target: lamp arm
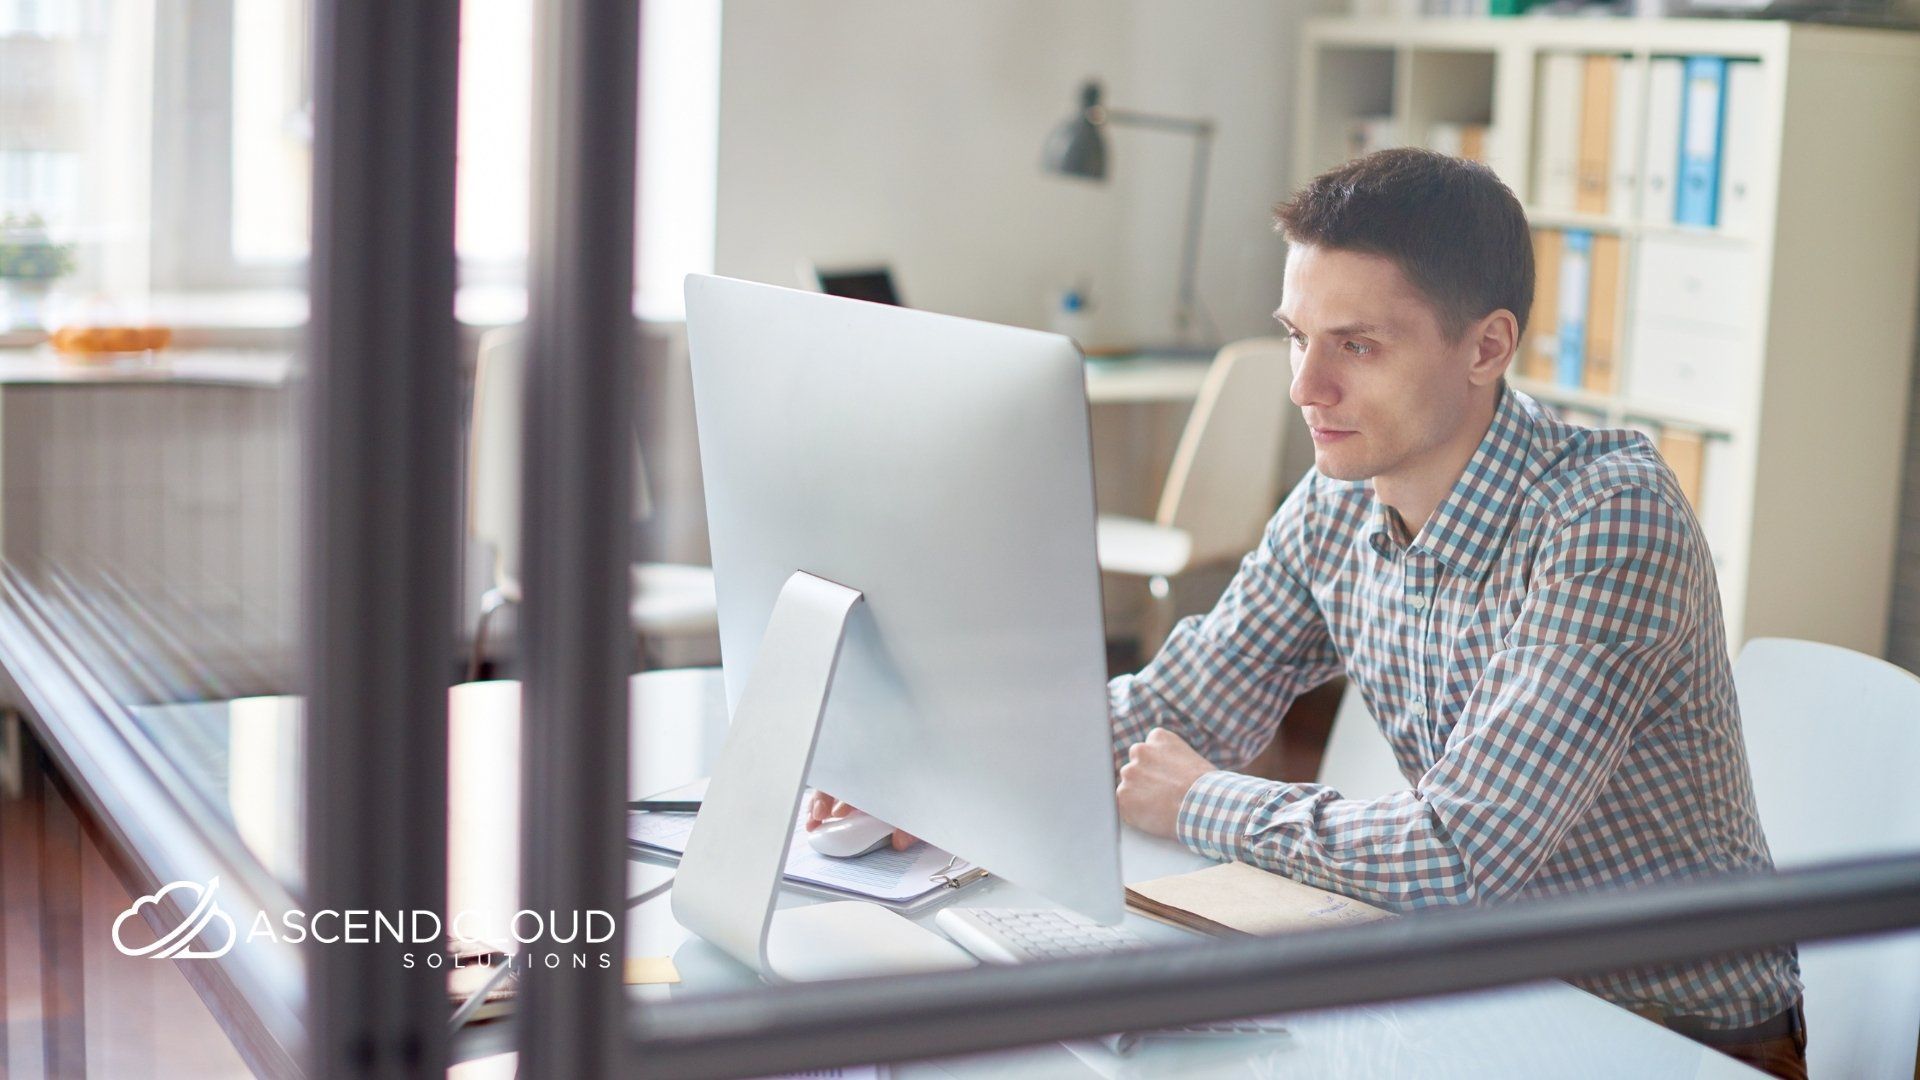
1190, 254
1202, 131
1130, 118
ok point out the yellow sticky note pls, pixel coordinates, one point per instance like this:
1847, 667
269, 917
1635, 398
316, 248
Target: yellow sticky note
646, 970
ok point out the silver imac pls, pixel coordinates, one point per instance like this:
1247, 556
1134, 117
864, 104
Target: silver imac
901, 513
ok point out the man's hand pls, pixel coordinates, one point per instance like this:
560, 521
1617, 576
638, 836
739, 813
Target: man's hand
823, 806
1158, 772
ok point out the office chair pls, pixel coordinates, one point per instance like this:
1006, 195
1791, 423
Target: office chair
1222, 488
670, 601
1834, 740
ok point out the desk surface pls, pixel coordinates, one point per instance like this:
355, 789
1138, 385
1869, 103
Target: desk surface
1546, 1029
1144, 378
1539, 1030
41, 366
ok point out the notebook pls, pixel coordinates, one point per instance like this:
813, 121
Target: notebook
1234, 899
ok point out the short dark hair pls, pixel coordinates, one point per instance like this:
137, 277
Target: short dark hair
1453, 228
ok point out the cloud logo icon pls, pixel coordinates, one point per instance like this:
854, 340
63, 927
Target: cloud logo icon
175, 944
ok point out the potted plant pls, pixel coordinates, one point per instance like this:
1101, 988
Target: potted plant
29, 265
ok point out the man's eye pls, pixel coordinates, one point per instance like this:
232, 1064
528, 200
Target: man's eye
1298, 338
1358, 349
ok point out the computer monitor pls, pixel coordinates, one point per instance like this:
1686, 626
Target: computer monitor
942, 468
871, 283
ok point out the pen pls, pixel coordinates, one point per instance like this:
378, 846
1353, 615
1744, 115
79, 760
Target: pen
667, 806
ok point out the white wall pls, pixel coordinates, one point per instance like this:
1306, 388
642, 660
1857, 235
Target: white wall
1231, 61
911, 131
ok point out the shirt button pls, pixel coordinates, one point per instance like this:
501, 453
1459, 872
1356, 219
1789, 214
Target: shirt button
1418, 601
1419, 708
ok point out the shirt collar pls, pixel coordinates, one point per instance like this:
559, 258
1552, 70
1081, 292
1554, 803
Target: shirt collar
1469, 527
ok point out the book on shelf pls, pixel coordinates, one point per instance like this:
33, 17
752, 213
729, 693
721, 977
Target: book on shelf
1592, 164
1660, 150
1543, 332
1575, 275
1476, 142
1603, 315
1558, 132
1743, 125
1623, 156
1685, 453
1701, 107
1469, 141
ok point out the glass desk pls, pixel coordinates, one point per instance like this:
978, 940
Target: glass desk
1546, 1029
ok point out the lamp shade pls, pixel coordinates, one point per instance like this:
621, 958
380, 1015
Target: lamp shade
1077, 147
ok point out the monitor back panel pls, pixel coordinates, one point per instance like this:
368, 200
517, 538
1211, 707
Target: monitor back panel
942, 467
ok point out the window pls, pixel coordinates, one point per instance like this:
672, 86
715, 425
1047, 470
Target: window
262, 113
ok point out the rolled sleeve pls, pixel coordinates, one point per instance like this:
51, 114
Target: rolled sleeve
1214, 815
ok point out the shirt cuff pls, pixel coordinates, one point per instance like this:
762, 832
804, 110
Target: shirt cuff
1213, 817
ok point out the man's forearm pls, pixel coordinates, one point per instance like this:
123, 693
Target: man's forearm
1389, 851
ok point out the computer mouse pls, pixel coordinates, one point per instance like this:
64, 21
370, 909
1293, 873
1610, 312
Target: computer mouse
845, 837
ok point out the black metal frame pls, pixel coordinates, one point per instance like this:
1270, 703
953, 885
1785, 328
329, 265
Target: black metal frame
578, 485
381, 436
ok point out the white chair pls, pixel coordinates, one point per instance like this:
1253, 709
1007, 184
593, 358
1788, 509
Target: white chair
1222, 487
1358, 762
671, 602
1834, 741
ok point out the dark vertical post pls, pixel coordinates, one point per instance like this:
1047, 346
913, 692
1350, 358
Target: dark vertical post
576, 518
381, 459
63, 998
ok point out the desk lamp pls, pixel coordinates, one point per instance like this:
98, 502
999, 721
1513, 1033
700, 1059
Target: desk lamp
1079, 148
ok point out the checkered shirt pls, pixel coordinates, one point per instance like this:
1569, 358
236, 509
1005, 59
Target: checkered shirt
1547, 659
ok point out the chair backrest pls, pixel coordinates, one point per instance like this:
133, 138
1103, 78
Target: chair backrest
494, 440
1225, 479
1834, 741
1358, 763
494, 444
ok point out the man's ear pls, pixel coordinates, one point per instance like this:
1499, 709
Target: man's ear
1496, 339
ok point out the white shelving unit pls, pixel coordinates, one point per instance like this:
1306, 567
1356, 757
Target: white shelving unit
1817, 312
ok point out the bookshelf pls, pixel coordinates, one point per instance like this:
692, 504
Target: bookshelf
1790, 330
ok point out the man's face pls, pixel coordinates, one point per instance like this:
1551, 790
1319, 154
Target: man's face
1374, 374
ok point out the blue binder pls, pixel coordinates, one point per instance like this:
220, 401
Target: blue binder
1703, 108
1576, 271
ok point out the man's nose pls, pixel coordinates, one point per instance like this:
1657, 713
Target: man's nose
1313, 385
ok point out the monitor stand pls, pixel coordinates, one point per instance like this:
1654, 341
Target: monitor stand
729, 879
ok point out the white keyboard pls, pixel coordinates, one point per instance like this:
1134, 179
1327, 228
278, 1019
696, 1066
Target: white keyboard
1018, 935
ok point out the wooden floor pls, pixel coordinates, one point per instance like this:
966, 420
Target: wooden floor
75, 1005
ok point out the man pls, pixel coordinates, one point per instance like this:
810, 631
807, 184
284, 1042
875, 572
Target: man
1528, 609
